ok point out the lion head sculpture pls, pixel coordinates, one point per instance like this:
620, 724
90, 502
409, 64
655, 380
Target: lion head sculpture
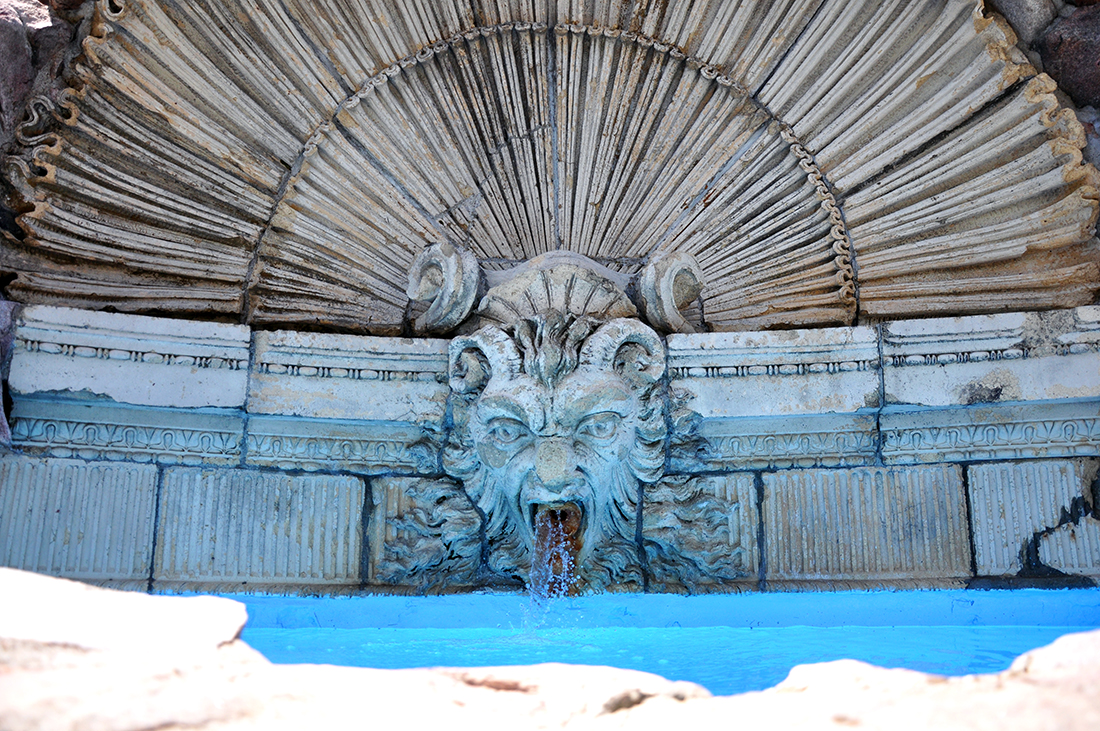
559, 413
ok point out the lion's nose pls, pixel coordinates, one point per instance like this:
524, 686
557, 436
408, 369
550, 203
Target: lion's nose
555, 464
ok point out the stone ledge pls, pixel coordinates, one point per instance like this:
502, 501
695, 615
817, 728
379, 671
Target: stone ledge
349, 377
146, 361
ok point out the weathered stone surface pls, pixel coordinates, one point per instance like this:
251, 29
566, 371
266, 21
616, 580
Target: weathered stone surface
869, 526
1073, 548
447, 278
831, 370
1069, 49
32, 44
423, 534
990, 431
348, 377
104, 430
1049, 688
48, 611
237, 529
203, 681
130, 359
1017, 508
1029, 18
700, 533
370, 447
990, 358
668, 284
84, 520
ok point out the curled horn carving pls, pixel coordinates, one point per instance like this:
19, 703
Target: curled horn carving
629, 347
448, 277
474, 359
669, 283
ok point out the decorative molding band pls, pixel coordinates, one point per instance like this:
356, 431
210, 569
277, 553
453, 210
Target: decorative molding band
787, 353
812, 440
423, 533
104, 430
317, 355
774, 369
367, 447
72, 333
1018, 430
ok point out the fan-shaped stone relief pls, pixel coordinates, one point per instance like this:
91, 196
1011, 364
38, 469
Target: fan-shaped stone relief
286, 163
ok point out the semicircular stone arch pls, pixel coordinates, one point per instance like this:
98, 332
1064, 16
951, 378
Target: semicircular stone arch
285, 162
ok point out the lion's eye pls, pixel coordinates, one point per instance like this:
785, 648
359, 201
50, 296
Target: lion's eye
506, 431
600, 426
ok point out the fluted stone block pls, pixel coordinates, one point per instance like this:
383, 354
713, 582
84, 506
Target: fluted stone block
424, 535
865, 527
1023, 511
222, 530
348, 377
700, 533
81, 520
146, 361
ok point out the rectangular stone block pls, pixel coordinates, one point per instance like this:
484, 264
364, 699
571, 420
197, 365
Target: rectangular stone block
369, 447
991, 358
831, 370
81, 520
111, 431
132, 359
424, 535
1017, 509
866, 527
990, 431
349, 377
700, 533
768, 442
221, 530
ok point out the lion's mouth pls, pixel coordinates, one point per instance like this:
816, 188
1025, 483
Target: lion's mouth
558, 528
564, 519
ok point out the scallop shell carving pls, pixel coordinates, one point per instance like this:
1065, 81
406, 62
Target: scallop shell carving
286, 162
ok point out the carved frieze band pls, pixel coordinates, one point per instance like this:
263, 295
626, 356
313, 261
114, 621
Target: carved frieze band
815, 440
118, 432
1010, 431
315, 444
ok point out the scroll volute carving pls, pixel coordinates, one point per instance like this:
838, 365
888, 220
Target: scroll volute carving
448, 277
667, 285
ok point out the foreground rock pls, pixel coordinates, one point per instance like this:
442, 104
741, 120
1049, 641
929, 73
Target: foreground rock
69, 660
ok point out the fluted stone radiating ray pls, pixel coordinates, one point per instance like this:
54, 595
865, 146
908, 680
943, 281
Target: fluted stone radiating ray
285, 162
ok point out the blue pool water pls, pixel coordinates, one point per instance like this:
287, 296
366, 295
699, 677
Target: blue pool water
729, 644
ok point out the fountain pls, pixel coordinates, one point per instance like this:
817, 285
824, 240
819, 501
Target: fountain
450, 298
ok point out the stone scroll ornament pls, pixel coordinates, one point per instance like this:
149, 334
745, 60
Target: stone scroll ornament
559, 416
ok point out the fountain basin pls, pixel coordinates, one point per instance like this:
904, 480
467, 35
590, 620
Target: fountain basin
728, 644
